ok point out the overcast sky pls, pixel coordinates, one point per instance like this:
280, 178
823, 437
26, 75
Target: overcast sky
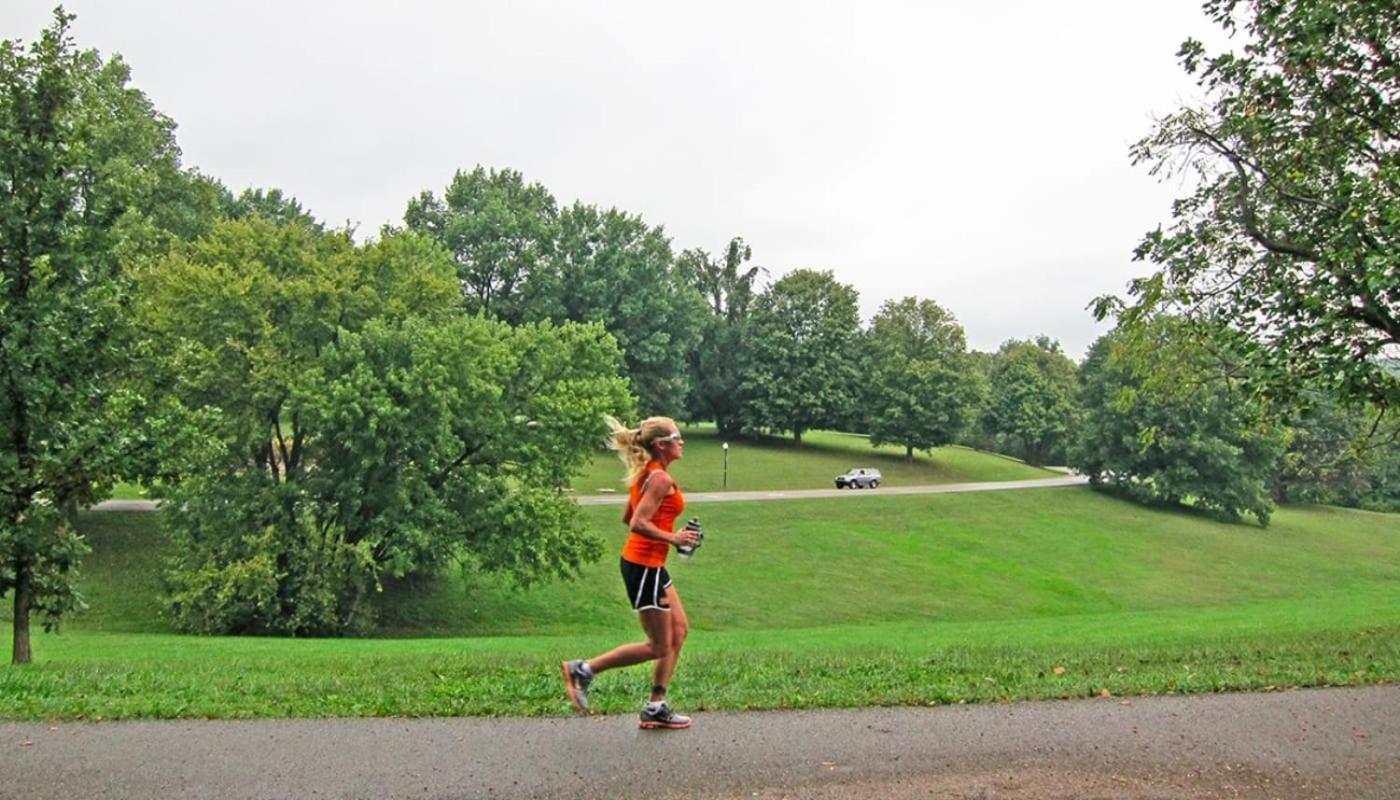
972, 153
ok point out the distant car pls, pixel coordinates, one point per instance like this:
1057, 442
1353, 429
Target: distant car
859, 478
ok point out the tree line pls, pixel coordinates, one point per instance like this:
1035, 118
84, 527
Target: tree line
321, 414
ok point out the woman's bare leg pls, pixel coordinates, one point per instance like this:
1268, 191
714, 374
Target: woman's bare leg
666, 664
658, 626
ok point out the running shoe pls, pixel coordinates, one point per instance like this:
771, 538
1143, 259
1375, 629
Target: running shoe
576, 683
661, 716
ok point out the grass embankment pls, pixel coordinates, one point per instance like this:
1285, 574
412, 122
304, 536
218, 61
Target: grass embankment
876, 600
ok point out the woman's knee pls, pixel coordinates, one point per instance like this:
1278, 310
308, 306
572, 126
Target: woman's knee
661, 645
679, 630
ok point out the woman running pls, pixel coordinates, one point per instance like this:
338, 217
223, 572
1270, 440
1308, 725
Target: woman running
654, 503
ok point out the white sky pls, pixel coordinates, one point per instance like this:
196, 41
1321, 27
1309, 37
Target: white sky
972, 153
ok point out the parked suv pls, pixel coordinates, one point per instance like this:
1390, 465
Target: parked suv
859, 478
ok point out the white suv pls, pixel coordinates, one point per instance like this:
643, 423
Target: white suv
859, 478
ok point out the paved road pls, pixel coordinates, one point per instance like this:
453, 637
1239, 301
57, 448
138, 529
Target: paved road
730, 497
1328, 743
794, 494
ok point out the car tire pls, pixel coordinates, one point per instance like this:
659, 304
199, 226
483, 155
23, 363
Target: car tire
874, 484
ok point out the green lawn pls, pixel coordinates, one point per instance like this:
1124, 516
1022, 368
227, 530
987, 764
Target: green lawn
767, 462
129, 491
856, 601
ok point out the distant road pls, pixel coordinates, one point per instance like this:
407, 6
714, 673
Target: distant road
748, 497
800, 494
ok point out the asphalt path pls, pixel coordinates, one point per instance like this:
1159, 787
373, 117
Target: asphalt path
745, 497
1322, 743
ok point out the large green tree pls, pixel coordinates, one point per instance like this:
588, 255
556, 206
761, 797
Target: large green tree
1293, 226
801, 369
1030, 405
366, 425
716, 363
1167, 419
501, 233
919, 387
614, 269
90, 179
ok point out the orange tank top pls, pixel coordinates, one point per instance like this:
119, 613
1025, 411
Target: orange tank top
639, 549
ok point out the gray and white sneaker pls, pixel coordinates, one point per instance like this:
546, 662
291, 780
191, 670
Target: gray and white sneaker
660, 715
576, 682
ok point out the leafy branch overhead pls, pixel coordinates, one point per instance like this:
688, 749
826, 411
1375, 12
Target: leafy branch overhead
1292, 234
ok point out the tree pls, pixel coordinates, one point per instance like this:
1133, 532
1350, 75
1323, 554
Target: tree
920, 388
269, 203
727, 288
979, 375
1340, 455
801, 370
618, 272
365, 426
501, 233
1030, 399
716, 364
91, 181
1292, 229
1167, 419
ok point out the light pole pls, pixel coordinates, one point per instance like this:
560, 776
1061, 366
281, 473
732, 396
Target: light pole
726, 464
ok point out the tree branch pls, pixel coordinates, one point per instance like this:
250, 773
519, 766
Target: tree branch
282, 446
1248, 218
439, 479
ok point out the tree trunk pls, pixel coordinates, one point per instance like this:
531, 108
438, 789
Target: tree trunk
797, 435
23, 589
909, 452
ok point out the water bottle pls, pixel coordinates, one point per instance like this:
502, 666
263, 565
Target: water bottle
687, 550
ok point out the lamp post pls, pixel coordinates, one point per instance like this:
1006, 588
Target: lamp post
726, 464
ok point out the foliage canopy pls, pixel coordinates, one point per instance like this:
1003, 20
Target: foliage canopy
1030, 403
920, 388
92, 182
801, 370
1293, 227
365, 425
1166, 419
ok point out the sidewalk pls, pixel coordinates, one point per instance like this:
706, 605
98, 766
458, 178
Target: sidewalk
1321, 743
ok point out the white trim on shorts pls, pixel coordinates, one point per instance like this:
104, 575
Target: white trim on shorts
655, 591
635, 576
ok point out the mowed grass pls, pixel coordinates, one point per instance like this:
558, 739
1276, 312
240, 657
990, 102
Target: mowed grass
767, 462
865, 600
129, 491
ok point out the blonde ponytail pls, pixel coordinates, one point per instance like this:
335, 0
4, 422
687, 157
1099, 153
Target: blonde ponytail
633, 445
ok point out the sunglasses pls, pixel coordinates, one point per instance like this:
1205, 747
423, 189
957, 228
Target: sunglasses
670, 437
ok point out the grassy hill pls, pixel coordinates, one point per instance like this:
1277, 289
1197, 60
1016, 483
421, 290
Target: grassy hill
767, 462
853, 601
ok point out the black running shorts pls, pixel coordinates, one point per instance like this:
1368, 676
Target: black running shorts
646, 586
